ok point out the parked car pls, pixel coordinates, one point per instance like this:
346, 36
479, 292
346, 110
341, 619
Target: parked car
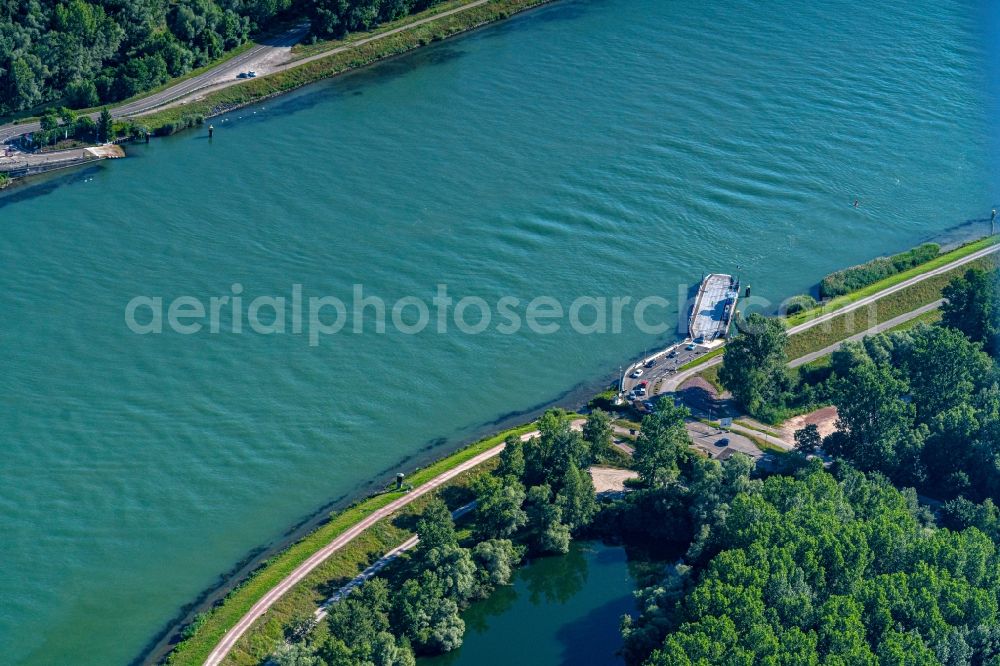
650, 406
650, 363
673, 353
690, 347
251, 74
637, 372
641, 391
241, 75
722, 442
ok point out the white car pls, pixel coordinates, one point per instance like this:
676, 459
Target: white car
637, 372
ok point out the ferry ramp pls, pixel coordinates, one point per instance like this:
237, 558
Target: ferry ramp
713, 308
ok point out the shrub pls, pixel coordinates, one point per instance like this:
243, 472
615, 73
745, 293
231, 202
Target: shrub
860, 276
799, 303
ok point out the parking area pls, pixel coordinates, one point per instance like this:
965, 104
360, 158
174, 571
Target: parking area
661, 365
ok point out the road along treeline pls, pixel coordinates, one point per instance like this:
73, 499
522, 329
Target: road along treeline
81, 54
530, 504
921, 405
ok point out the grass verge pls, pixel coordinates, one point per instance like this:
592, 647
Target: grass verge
214, 623
255, 90
305, 50
718, 351
893, 305
847, 299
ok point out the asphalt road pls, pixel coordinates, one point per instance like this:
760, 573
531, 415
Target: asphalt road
664, 367
229, 68
714, 441
676, 379
884, 326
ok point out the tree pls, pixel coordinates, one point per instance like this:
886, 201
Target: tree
661, 445
944, 369
817, 569
512, 458
105, 125
872, 415
295, 655
557, 446
753, 366
49, 121
81, 94
597, 431
436, 528
387, 650
453, 567
807, 439
576, 499
495, 561
498, 506
548, 534
972, 306
427, 617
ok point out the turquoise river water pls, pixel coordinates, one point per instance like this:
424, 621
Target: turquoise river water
603, 148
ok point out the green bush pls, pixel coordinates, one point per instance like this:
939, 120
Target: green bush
799, 303
856, 277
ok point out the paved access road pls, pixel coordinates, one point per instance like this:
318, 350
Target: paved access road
230, 68
675, 380
224, 74
220, 651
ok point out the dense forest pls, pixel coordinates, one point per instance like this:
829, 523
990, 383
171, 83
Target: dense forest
821, 568
834, 562
921, 406
81, 54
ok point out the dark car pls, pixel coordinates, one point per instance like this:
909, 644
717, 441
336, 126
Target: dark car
650, 363
722, 442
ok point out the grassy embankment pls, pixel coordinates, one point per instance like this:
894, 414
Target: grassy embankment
891, 281
882, 310
886, 308
893, 305
264, 87
338, 569
306, 50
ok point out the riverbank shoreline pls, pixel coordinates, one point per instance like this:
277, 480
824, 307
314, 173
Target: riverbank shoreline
429, 456
215, 100
352, 57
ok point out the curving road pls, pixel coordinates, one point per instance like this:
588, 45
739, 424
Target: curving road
220, 651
